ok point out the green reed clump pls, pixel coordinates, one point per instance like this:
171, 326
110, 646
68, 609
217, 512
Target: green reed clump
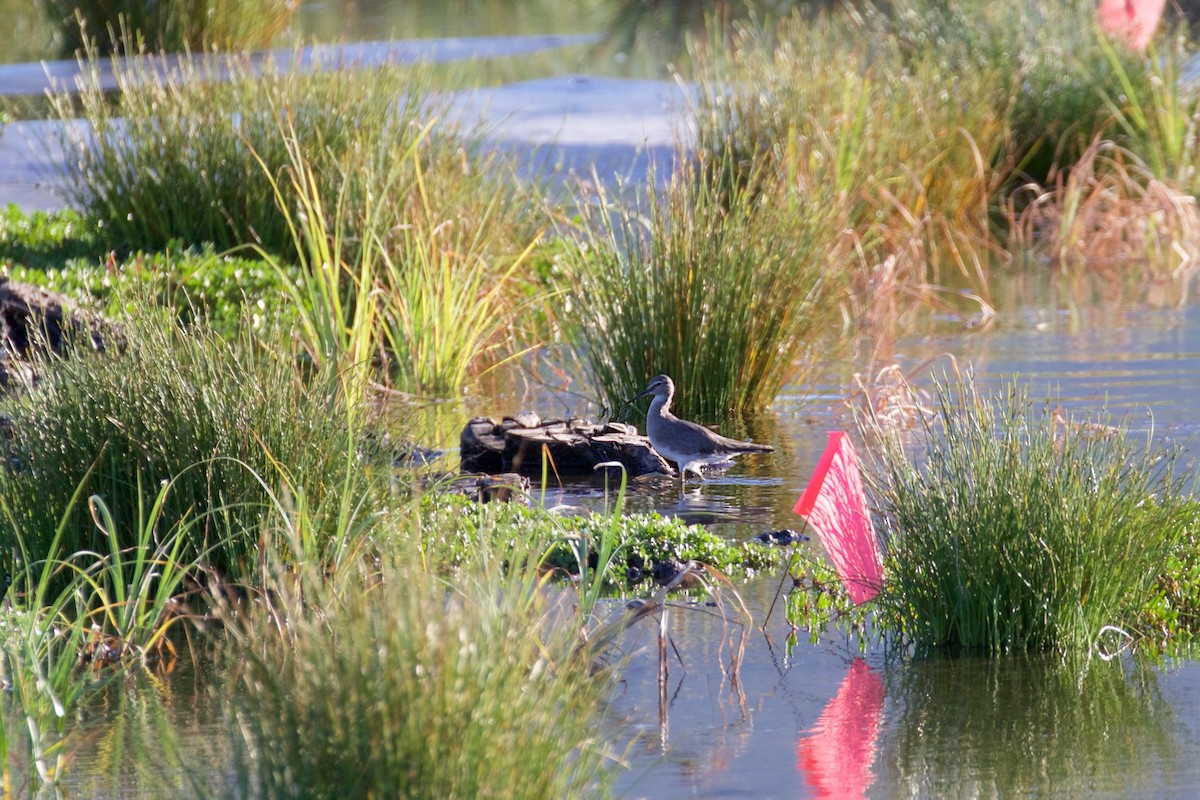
1156, 112
190, 158
166, 404
726, 292
429, 298
1012, 528
44, 630
916, 122
418, 688
900, 147
126, 26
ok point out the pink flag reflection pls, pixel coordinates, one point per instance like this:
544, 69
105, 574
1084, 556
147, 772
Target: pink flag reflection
835, 755
1132, 20
836, 508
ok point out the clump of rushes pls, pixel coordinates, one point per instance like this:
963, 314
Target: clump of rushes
904, 151
164, 404
476, 689
917, 121
429, 297
124, 26
1018, 529
724, 290
189, 158
42, 634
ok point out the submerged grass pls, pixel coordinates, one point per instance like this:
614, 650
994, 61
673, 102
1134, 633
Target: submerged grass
1014, 528
1071, 703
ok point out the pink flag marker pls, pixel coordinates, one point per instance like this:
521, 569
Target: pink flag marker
1132, 20
835, 506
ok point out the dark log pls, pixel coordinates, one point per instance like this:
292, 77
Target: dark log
33, 319
572, 447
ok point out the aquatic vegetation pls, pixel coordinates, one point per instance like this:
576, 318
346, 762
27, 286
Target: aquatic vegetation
1126, 197
468, 689
224, 291
454, 527
39, 667
1173, 610
42, 240
194, 25
207, 414
191, 159
387, 638
1014, 528
727, 293
426, 299
1047, 65
816, 600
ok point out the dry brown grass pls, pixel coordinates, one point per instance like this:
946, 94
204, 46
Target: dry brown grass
1109, 214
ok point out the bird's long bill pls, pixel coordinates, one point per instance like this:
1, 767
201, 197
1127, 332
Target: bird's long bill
640, 395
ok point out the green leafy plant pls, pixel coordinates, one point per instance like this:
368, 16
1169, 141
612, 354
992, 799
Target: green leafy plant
224, 291
452, 528
42, 240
